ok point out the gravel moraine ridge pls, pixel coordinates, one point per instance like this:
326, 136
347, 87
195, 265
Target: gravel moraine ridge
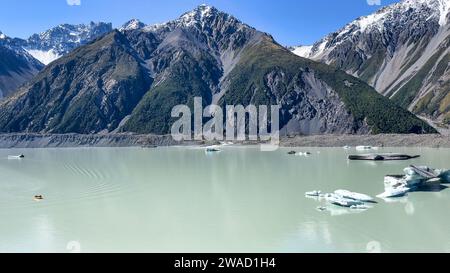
132, 140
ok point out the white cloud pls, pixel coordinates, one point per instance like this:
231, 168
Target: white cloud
74, 2
374, 2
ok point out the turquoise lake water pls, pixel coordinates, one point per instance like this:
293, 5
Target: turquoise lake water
180, 199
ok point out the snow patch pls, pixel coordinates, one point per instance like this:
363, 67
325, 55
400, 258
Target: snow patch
132, 25
370, 20
444, 8
154, 27
303, 51
44, 57
321, 47
205, 10
188, 19
441, 6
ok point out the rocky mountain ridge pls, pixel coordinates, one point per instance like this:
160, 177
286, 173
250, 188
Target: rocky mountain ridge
402, 50
129, 81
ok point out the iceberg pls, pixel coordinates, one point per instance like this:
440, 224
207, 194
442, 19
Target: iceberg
394, 192
342, 202
313, 193
354, 196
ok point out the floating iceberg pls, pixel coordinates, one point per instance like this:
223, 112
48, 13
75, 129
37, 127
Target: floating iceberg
366, 148
303, 154
212, 149
342, 198
338, 200
395, 192
313, 193
354, 195
414, 177
444, 175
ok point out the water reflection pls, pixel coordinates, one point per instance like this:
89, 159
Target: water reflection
339, 211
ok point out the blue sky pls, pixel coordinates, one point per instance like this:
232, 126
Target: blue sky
291, 22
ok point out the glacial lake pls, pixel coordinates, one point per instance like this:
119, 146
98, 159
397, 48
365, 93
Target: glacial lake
180, 199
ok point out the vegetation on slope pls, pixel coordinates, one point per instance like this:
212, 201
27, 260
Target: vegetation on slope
183, 82
87, 91
364, 103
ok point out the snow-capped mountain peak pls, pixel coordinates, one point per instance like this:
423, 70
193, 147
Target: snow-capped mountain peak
413, 14
2, 36
60, 40
401, 50
133, 24
374, 19
441, 6
440, 10
200, 16
64, 34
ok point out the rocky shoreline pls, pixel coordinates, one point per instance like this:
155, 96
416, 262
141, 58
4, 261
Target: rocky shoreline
77, 140
26, 140
383, 140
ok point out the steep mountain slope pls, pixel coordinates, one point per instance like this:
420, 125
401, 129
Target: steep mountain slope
89, 90
316, 98
188, 57
16, 66
20, 59
131, 79
402, 51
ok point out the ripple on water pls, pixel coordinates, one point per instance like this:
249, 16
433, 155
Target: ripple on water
79, 182
96, 183
91, 173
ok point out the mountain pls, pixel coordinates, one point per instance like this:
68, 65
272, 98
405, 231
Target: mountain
129, 81
16, 66
22, 59
402, 50
60, 40
133, 24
